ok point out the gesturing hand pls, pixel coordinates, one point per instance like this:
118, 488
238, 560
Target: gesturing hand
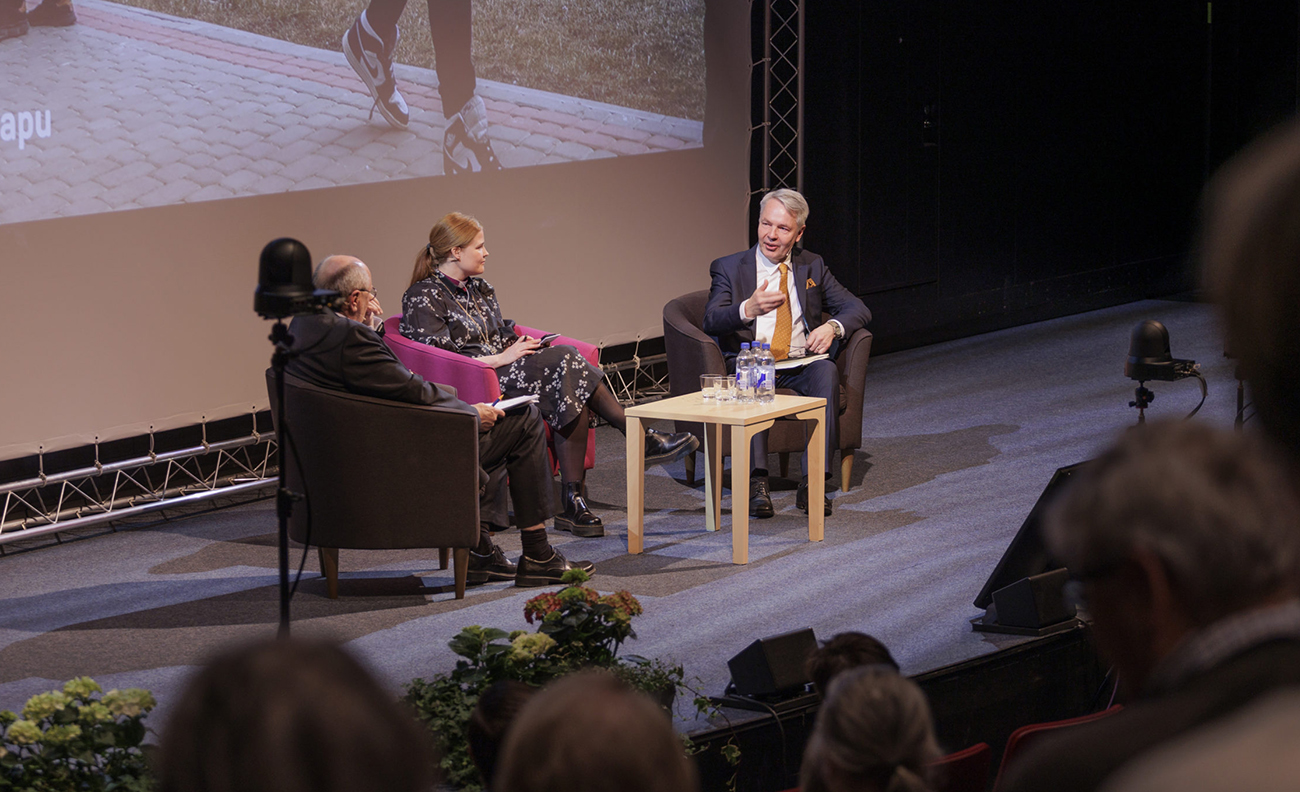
762, 301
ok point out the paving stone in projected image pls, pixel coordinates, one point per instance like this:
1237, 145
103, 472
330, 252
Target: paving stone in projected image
148, 110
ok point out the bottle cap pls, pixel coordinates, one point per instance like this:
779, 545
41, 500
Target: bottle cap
744, 345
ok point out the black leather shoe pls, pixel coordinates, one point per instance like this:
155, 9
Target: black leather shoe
493, 566
577, 518
760, 498
547, 573
662, 448
801, 499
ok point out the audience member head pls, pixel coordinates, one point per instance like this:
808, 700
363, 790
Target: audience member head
292, 716
350, 277
1174, 527
842, 652
589, 732
873, 734
1251, 256
495, 713
794, 203
455, 230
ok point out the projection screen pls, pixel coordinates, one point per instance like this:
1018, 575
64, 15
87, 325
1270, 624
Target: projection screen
153, 148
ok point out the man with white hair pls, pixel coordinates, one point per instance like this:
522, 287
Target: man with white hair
1186, 540
773, 292
343, 351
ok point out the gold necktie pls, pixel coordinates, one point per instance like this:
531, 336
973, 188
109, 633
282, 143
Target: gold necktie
781, 337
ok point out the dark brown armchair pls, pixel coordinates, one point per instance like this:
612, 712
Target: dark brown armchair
379, 475
693, 353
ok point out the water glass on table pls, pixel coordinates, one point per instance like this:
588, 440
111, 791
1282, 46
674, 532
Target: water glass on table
724, 388
708, 387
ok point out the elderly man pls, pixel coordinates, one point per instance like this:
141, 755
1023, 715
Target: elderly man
1186, 541
772, 293
343, 351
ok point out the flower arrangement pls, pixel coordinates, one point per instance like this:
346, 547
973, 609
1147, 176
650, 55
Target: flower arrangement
577, 627
74, 739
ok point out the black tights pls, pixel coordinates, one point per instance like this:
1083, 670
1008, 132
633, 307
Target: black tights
571, 441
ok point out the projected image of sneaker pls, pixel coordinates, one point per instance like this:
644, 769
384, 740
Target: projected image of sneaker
466, 146
372, 59
13, 21
52, 13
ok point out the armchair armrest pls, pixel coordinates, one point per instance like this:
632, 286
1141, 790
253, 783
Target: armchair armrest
473, 380
589, 351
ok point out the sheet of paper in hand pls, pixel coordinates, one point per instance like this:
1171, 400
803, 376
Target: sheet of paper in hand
517, 403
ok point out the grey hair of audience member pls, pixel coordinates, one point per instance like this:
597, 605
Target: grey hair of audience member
1250, 251
793, 202
874, 732
1214, 506
590, 732
343, 274
292, 716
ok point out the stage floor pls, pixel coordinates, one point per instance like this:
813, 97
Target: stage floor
959, 440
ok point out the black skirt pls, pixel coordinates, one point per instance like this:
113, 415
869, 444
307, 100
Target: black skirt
560, 376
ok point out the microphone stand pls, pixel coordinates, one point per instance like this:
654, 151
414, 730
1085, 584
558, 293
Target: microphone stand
284, 498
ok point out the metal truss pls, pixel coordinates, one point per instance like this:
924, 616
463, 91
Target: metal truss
639, 380
109, 492
782, 76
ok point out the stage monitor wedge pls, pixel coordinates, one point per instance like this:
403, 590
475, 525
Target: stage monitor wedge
1020, 575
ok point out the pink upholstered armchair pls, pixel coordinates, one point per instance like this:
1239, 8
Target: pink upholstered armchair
473, 380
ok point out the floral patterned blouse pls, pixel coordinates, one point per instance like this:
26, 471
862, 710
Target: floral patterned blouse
460, 317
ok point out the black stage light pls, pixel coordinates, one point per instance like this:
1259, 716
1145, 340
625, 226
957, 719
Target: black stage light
284, 289
1149, 359
284, 285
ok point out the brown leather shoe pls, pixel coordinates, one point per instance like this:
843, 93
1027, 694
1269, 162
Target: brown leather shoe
13, 22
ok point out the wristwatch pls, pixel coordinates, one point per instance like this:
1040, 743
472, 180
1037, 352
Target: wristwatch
838, 328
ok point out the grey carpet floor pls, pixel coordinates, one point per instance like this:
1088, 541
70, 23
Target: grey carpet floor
959, 440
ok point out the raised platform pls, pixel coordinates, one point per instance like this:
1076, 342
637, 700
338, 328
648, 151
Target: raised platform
959, 441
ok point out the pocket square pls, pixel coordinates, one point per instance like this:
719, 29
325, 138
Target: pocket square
811, 283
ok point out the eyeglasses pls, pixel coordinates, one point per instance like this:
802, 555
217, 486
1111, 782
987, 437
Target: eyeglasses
372, 292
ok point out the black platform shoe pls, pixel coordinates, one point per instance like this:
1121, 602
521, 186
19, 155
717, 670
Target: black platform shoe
577, 518
662, 448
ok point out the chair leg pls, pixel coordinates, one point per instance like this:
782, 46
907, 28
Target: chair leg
690, 470
846, 468
442, 557
783, 459
460, 569
329, 567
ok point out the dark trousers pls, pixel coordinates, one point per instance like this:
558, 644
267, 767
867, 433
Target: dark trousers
449, 28
516, 445
821, 378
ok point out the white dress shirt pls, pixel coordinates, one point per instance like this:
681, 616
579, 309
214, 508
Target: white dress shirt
765, 325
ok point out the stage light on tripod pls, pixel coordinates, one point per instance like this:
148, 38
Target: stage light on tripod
1149, 359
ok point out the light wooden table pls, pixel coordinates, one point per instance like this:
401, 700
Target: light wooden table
743, 421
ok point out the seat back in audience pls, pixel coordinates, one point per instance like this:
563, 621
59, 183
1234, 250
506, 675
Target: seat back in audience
1026, 736
964, 771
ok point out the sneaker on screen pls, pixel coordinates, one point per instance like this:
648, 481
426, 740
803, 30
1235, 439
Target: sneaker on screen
372, 59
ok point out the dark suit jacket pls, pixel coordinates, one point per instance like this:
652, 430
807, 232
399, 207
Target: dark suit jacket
332, 351
1082, 757
734, 280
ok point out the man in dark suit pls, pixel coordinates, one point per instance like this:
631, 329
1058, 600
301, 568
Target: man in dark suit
344, 351
1185, 539
771, 293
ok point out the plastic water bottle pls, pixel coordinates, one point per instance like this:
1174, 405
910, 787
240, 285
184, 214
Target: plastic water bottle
765, 384
745, 374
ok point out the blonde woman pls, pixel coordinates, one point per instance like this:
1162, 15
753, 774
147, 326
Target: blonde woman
451, 306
